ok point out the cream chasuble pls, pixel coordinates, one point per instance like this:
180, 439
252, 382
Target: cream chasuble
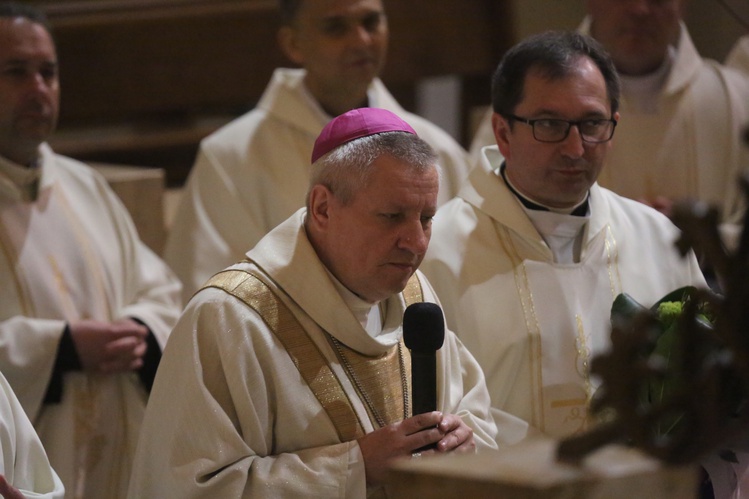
559, 301
532, 323
258, 427
72, 253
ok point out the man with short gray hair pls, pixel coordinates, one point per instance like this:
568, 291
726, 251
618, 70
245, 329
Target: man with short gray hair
287, 375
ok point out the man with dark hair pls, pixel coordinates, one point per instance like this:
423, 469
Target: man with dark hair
85, 306
531, 254
287, 375
682, 115
252, 174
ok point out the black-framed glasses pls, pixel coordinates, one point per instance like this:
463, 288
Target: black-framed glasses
593, 130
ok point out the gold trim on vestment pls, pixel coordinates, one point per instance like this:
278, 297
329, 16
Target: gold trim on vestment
535, 346
612, 261
6, 244
381, 382
250, 288
583, 366
532, 326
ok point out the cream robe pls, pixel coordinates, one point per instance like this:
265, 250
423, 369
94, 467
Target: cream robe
691, 148
23, 461
533, 325
74, 254
254, 173
230, 414
738, 57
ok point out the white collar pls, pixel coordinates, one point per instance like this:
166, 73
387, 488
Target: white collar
643, 92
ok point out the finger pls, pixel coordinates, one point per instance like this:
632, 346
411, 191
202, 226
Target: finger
463, 435
424, 441
419, 422
127, 327
449, 423
140, 349
126, 346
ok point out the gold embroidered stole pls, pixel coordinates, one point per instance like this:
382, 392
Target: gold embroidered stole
380, 379
541, 405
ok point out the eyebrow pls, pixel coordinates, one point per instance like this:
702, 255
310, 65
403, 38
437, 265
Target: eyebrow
554, 114
23, 61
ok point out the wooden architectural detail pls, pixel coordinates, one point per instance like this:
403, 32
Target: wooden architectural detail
144, 80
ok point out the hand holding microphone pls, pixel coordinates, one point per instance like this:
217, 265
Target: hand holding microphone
427, 431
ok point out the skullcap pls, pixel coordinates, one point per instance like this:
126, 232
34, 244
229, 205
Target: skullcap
356, 124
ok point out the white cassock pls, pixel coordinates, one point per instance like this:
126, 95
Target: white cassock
230, 415
687, 145
254, 173
23, 461
73, 253
534, 324
738, 57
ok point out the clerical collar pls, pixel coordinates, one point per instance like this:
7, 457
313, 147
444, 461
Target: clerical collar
24, 180
370, 315
643, 92
579, 210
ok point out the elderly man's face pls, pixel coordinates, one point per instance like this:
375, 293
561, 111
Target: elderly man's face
341, 43
636, 33
556, 174
29, 90
374, 244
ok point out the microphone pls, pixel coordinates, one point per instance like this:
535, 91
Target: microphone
423, 334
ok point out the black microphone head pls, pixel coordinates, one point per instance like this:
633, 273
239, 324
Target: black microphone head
423, 327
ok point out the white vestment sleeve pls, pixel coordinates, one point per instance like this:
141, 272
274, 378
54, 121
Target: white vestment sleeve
29, 345
23, 461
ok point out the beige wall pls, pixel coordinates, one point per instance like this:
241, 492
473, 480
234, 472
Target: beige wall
534, 16
713, 29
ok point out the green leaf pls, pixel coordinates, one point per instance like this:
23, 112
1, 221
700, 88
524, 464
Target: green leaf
625, 308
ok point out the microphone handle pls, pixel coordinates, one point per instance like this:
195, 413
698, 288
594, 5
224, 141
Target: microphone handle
423, 382
424, 386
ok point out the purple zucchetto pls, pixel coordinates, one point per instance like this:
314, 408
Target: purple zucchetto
355, 124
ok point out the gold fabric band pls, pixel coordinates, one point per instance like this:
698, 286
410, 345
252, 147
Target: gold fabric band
250, 288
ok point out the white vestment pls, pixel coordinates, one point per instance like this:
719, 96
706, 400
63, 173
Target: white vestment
532, 324
738, 57
691, 147
23, 461
231, 416
73, 253
254, 173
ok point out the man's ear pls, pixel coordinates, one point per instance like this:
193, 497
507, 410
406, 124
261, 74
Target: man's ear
502, 132
288, 40
319, 205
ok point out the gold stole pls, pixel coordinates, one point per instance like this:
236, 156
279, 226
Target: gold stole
379, 381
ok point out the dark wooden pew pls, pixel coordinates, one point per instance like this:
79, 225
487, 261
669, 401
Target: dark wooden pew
144, 80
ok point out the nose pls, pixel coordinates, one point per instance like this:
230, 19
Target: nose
415, 238
572, 146
639, 6
37, 83
361, 35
